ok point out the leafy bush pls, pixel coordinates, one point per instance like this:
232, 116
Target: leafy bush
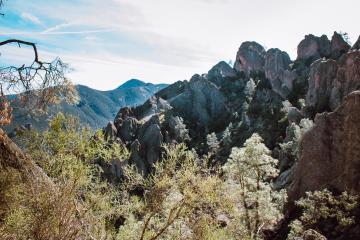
328, 214
181, 200
76, 196
250, 171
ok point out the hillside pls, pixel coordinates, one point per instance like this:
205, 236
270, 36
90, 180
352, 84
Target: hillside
305, 110
265, 149
95, 108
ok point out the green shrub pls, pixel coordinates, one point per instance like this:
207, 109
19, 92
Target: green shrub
328, 214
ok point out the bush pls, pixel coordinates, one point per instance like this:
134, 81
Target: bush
76, 202
250, 171
330, 215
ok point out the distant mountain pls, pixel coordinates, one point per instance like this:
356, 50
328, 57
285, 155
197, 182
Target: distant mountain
95, 108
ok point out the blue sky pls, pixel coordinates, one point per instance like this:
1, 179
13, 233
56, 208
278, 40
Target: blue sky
108, 42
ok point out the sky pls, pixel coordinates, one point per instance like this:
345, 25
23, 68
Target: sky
107, 42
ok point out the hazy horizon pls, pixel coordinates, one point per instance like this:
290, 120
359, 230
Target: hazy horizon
109, 42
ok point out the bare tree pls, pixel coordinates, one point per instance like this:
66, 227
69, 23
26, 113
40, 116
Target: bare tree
33, 86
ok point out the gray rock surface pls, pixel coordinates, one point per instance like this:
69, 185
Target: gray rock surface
250, 57
312, 47
135, 157
294, 115
330, 155
201, 102
338, 45
110, 131
330, 81
277, 70
220, 71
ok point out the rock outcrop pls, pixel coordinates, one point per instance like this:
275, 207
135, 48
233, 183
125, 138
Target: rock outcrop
277, 70
250, 57
330, 156
338, 45
219, 72
110, 132
330, 81
312, 47
144, 138
201, 102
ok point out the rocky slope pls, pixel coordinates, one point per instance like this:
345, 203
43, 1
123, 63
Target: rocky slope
95, 108
268, 93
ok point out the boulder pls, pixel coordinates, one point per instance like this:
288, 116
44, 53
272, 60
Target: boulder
250, 57
330, 152
277, 70
312, 47
330, 81
338, 46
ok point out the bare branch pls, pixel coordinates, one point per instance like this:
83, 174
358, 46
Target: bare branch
36, 85
9, 41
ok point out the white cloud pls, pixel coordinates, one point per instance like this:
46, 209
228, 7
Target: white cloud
163, 41
58, 27
29, 17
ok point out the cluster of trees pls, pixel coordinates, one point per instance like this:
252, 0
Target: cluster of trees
183, 198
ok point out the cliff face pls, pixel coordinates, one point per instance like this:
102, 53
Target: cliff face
330, 151
331, 80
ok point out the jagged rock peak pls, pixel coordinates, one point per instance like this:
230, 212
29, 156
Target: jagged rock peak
338, 45
250, 57
330, 81
220, 71
312, 47
277, 70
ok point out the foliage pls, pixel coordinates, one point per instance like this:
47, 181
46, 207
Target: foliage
212, 143
79, 198
250, 171
226, 136
290, 149
328, 214
181, 201
33, 86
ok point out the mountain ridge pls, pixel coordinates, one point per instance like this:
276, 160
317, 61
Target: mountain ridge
95, 107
